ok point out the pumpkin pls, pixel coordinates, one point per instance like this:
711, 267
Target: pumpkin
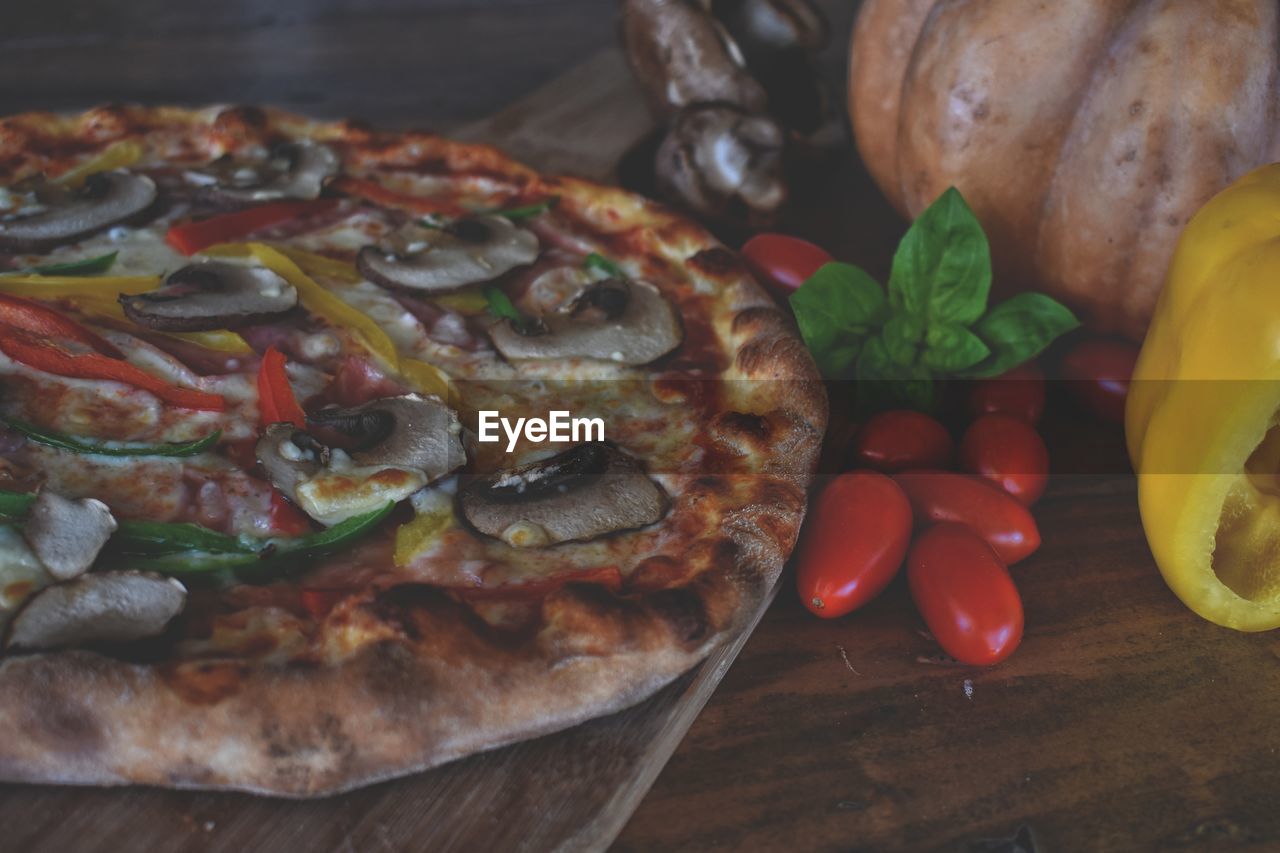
1084, 133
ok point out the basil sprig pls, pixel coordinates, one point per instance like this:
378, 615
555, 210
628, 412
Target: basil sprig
931, 323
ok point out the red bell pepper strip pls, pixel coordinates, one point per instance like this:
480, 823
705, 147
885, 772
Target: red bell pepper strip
33, 317
198, 234
276, 402
606, 576
42, 354
318, 602
374, 192
287, 518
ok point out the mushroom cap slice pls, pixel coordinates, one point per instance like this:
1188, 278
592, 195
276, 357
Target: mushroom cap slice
583, 493
466, 251
211, 295
66, 535
290, 170
101, 607
105, 199
402, 444
626, 322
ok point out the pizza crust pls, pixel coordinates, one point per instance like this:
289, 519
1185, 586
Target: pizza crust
441, 683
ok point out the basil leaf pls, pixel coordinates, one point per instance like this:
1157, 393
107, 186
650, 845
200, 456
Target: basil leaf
597, 261
529, 211
951, 348
1018, 330
836, 309
85, 266
885, 384
903, 338
942, 269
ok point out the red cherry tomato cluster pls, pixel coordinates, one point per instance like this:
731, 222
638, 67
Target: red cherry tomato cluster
970, 524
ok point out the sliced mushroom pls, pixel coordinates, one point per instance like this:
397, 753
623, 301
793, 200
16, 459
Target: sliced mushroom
724, 163
583, 493
105, 199
465, 251
289, 170
66, 535
211, 295
627, 322
102, 607
401, 444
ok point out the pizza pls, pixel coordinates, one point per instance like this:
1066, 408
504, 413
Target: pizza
329, 454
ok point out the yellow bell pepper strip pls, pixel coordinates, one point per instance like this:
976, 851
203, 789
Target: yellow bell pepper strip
117, 155
314, 264
1203, 414
424, 377
469, 302
98, 295
72, 286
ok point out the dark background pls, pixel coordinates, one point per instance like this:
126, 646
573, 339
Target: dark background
427, 63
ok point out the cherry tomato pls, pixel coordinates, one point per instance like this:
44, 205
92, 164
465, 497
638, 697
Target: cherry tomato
1018, 393
854, 542
782, 263
1008, 452
965, 595
901, 439
1005, 524
1098, 373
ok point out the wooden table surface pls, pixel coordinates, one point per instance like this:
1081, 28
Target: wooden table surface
1122, 723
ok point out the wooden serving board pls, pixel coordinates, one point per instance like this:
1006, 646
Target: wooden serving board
569, 791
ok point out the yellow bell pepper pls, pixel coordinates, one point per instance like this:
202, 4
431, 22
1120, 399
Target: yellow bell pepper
1203, 415
99, 295
424, 377
72, 286
118, 155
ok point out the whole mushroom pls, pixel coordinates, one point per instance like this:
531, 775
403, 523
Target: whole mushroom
733, 81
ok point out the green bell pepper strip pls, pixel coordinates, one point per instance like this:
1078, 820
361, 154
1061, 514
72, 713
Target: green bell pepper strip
271, 559
75, 444
159, 537
15, 504
597, 261
84, 266
528, 211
